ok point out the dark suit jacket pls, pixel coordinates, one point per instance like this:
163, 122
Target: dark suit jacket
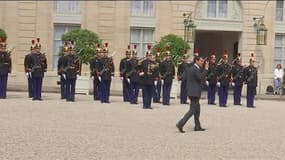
194, 78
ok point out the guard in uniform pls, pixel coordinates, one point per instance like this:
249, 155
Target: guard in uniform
157, 79
106, 68
71, 68
5, 67
38, 65
211, 79
132, 75
238, 79
250, 74
147, 79
27, 71
94, 69
60, 73
167, 71
181, 69
124, 78
224, 77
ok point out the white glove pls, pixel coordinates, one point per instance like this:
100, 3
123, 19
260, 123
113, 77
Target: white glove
162, 81
92, 77
207, 83
121, 78
63, 75
30, 74
219, 84
77, 76
112, 77
99, 78
27, 74
233, 84
155, 83
128, 79
141, 73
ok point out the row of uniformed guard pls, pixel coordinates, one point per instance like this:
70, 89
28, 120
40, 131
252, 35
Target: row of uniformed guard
150, 75
223, 74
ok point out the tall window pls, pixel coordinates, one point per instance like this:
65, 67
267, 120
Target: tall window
62, 6
141, 37
218, 9
279, 52
59, 30
279, 10
142, 8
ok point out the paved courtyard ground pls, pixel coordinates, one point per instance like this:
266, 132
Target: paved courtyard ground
86, 130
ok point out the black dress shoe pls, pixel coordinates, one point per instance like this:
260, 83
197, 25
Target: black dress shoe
212, 103
199, 129
180, 129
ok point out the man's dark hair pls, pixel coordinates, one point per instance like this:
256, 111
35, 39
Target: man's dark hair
197, 58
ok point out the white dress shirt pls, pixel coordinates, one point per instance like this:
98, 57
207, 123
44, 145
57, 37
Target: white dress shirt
278, 73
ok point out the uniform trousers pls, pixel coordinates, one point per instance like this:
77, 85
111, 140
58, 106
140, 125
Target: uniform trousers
211, 93
237, 94
3, 85
134, 92
126, 89
30, 86
166, 92
70, 89
62, 87
223, 94
147, 95
250, 93
96, 89
157, 91
105, 90
37, 87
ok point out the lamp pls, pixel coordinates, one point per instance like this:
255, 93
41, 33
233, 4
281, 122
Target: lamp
189, 27
261, 31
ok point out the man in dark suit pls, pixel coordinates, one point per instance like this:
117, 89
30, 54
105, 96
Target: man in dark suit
194, 76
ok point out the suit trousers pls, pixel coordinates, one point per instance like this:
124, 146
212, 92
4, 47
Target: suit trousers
70, 89
237, 94
183, 92
3, 85
157, 91
211, 93
166, 92
37, 87
194, 109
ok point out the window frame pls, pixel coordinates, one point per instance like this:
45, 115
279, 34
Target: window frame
280, 59
66, 6
140, 45
67, 27
141, 13
281, 8
217, 9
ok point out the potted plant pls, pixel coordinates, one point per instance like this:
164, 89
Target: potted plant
85, 42
177, 49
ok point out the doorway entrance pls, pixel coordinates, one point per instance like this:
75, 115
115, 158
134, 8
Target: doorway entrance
206, 41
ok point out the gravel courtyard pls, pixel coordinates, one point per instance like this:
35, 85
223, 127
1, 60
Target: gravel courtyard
88, 130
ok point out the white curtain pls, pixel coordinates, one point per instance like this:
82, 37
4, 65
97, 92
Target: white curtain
67, 6
279, 10
212, 8
141, 37
142, 8
223, 8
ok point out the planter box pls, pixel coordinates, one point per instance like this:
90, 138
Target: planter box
175, 89
82, 85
